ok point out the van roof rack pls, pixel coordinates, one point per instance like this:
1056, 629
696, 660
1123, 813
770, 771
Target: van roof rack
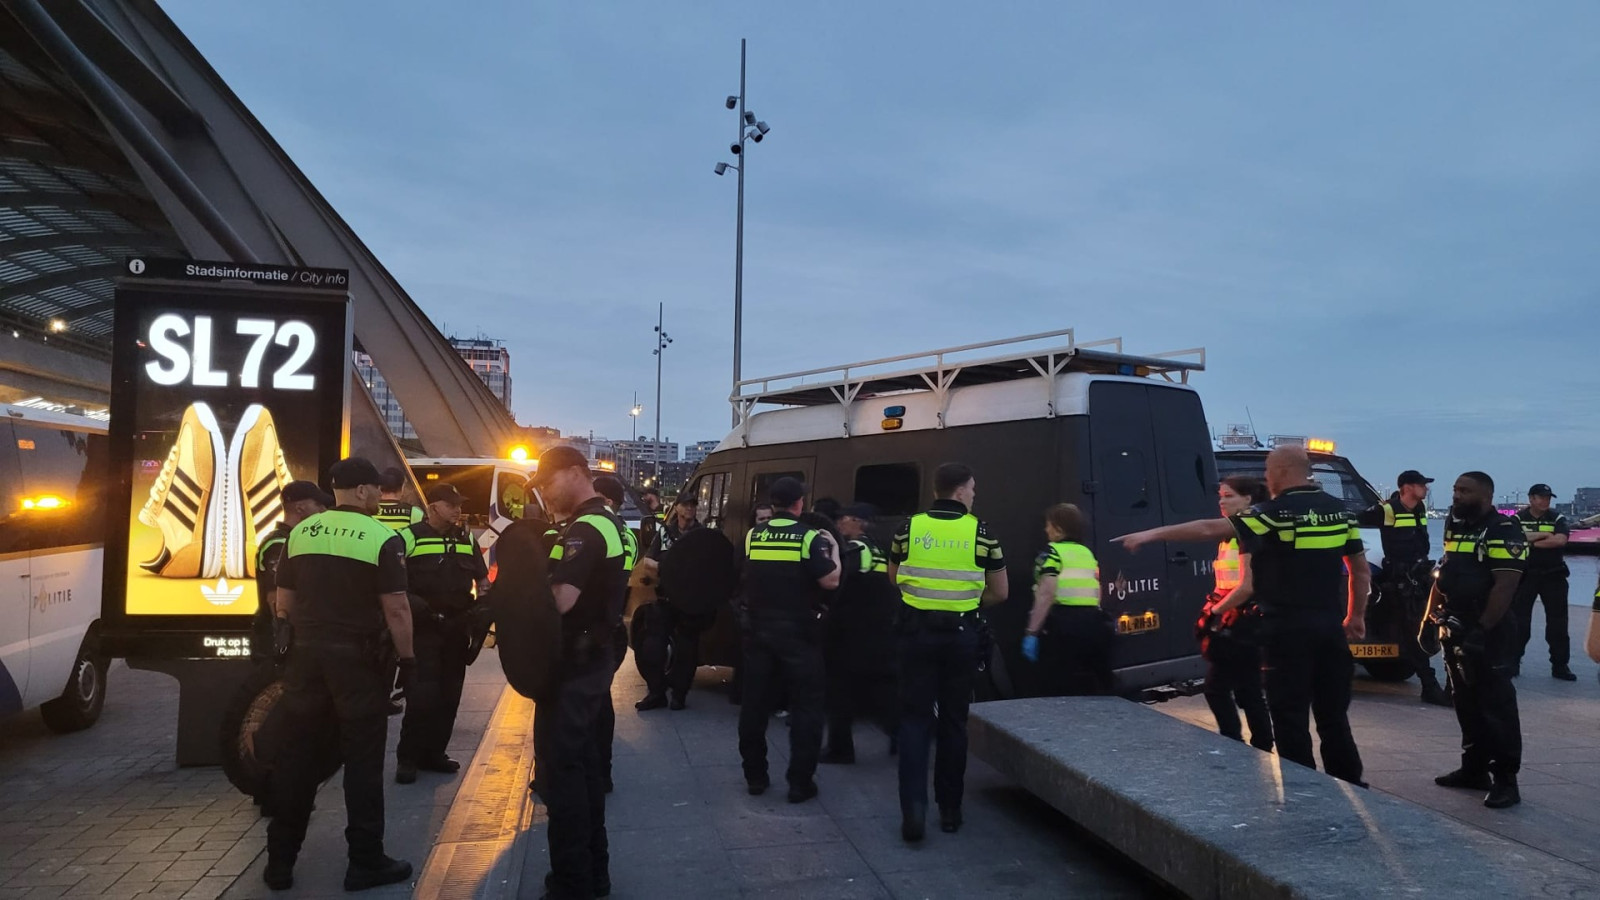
940, 370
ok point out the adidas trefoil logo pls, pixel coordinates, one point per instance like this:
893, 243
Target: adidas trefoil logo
223, 594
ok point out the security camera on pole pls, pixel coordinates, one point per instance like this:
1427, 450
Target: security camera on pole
661, 344
750, 129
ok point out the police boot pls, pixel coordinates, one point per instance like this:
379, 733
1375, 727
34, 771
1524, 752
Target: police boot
652, 700
1433, 692
949, 819
375, 873
1562, 672
1504, 793
1465, 778
913, 821
279, 874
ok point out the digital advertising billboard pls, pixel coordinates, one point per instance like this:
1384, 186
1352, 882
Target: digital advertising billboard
229, 381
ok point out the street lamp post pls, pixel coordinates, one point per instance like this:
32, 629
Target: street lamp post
633, 451
750, 129
662, 340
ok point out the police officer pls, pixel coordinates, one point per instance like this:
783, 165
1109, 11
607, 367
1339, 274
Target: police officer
1545, 579
342, 580
945, 563
443, 567
859, 632
590, 588
1066, 610
1402, 523
1484, 556
650, 517
301, 500
610, 487
669, 663
1299, 544
787, 565
393, 509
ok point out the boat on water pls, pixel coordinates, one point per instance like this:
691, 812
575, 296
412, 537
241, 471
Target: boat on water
1585, 537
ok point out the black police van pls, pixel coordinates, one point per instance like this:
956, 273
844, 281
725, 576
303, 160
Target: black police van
1124, 437
1240, 452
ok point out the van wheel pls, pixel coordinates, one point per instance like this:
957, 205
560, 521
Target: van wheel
80, 704
1388, 669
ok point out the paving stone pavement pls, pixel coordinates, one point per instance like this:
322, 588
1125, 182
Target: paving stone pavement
1405, 743
107, 813
681, 824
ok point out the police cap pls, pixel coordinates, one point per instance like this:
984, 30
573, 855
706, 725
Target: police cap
445, 492
556, 459
295, 491
1541, 490
610, 487
353, 473
866, 512
1412, 476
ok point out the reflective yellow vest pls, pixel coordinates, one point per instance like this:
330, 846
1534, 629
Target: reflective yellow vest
941, 570
1227, 567
1079, 581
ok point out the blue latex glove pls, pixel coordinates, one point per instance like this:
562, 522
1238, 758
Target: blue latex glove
1030, 647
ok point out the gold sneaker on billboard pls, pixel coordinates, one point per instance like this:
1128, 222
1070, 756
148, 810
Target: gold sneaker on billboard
257, 466
183, 502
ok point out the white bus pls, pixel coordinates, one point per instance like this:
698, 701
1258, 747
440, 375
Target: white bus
53, 478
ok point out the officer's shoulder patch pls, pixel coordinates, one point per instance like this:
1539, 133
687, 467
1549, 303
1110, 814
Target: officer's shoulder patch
572, 545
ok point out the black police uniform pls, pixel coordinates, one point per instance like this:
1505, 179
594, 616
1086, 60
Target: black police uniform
1479, 662
619, 652
1297, 542
859, 645
669, 657
782, 646
1544, 579
567, 723
338, 563
1407, 572
268, 557
442, 568
938, 664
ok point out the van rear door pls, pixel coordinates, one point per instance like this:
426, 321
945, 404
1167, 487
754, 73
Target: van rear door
1127, 497
15, 598
1188, 491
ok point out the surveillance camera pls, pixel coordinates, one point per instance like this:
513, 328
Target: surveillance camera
762, 127
733, 101
755, 136
722, 167
734, 149
749, 117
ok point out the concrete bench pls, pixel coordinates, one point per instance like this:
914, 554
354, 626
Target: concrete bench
1215, 818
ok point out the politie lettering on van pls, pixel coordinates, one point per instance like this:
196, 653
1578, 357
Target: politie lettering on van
1041, 419
53, 476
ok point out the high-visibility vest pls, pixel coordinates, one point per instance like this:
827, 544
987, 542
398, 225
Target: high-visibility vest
397, 514
941, 571
437, 545
1227, 567
1078, 584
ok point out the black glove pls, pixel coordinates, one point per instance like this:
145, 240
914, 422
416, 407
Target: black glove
282, 637
1475, 642
417, 691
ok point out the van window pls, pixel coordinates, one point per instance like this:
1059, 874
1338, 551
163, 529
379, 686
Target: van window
712, 492
894, 488
1125, 481
63, 479
763, 483
11, 527
1343, 484
476, 484
1187, 490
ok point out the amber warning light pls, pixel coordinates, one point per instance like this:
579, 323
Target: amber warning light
893, 417
1321, 445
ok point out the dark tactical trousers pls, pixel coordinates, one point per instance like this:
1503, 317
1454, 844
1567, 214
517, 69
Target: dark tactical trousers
1551, 588
608, 710
1233, 683
331, 690
782, 656
572, 780
1306, 668
441, 650
1486, 702
937, 672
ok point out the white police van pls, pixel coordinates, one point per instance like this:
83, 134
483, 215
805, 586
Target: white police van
53, 478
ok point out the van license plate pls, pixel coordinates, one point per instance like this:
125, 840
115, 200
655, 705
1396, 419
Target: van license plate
1375, 651
1134, 624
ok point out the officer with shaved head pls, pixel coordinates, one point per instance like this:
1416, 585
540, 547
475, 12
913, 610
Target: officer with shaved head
1301, 542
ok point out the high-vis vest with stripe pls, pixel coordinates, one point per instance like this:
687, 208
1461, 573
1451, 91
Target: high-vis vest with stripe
1078, 584
872, 559
1227, 567
622, 544
941, 571
778, 541
339, 532
435, 546
273, 540
398, 514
